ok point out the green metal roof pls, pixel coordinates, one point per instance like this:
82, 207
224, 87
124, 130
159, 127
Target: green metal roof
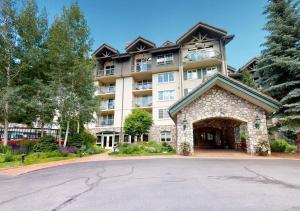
267, 103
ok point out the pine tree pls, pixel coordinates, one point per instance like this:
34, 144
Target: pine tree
247, 79
279, 66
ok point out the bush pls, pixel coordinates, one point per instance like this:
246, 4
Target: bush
279, 145
4, 149
45, 144
75, 140
88, 138
262, 148
291, 148
145, 147
94, 149
8, 157
185, 148
28, 144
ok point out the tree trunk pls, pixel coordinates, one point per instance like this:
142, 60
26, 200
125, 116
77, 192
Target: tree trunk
67, 133
78, 126
5, 135
42, 129
6, 109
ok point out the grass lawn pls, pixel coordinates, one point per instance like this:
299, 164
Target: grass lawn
117, 154
38, 160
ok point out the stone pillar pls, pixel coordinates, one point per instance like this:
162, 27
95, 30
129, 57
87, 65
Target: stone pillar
298, 142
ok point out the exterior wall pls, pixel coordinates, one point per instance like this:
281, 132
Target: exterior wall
163, 104
154, 133
218, 102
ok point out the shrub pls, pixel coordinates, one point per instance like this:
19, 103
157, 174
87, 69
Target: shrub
94, 149
185, 148
45, 144
9, 157
28, 144
129, 149
279, 145
75, 140
291, 148
262, 148
88, 138
167, 147
4, 149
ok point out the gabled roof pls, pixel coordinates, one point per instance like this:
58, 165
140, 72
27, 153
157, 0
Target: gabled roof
167, 43
106, 47
263, 101
201, 27
140, 40
249, 63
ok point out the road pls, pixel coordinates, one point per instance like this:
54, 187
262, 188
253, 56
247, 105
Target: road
157, 184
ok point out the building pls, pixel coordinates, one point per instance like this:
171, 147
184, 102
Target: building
250, 66
166, 79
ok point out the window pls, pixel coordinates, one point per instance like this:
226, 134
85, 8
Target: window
166, 77
163, 114
107, 120
192, 74
165, 59
165, 136
166, 95
109, 70
187, 91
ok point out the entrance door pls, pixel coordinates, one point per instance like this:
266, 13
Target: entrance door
107, 141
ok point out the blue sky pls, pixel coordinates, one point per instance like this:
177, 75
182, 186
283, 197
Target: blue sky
117, 22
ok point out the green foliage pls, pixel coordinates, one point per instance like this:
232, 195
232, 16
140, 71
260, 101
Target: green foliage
94, 149
243, 136
281, 145
247, 79
278, 67
88, 138
138, 122
145, 148
75, 140
4, 149
9, 157
45, 144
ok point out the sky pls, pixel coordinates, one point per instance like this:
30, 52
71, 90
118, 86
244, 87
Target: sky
117, 22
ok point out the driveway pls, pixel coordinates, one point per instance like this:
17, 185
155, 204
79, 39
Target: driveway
157, 184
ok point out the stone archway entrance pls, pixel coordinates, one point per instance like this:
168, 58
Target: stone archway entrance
218, 133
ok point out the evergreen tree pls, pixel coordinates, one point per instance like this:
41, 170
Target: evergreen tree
247, 79
9, 64
279, 66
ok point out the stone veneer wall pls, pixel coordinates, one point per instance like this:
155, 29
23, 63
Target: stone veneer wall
218, 102
154, 133
96, 130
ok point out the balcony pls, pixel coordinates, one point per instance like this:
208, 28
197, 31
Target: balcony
106, 75
142, 88
145, 103
107, 108
141, 71
106, 91
107, 122
203, 57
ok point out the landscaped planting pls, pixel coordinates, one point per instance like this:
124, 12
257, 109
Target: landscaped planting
144, 148
281, 145
47, 149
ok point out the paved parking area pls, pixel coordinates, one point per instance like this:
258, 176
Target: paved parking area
157, 184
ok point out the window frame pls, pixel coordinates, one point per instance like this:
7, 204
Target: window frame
162, 76
166, 99
165, 59
165, 114
165, 135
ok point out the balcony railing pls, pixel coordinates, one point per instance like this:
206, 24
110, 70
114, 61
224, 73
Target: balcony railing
107, 89
106, 122
203, 54
107, 106
143, 86
106, 72
140, 103
144, 67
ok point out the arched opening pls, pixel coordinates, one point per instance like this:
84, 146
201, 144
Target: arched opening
218, 133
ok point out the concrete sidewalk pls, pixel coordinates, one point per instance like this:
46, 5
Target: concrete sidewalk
204, 154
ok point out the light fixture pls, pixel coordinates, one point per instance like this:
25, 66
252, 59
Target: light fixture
257, 122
